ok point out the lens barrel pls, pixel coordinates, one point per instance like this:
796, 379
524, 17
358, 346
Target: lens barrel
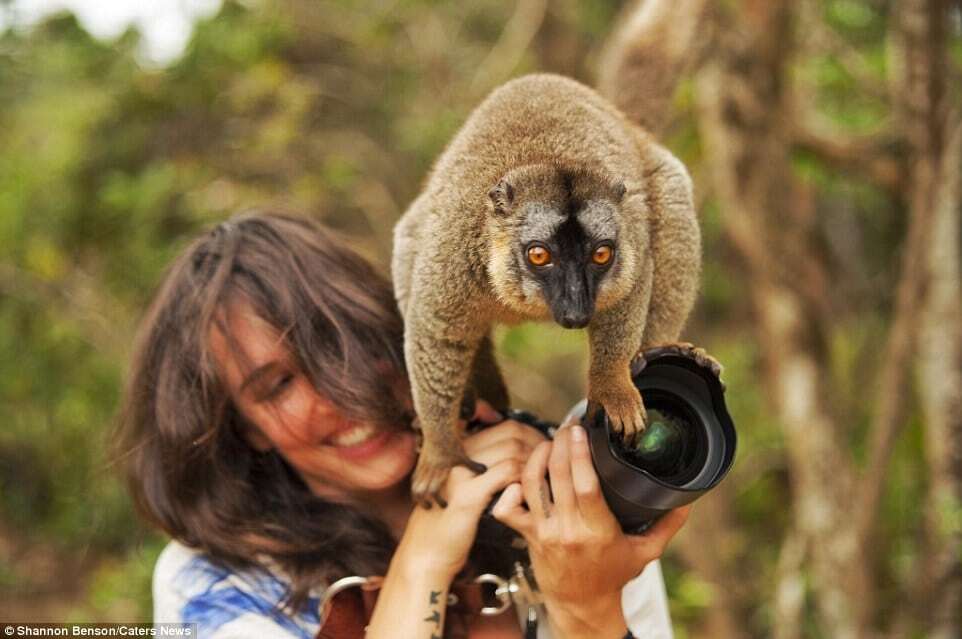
688, 447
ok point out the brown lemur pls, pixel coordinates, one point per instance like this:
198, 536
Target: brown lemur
548, 204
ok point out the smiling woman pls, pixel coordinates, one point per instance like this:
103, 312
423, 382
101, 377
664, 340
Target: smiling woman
224, 433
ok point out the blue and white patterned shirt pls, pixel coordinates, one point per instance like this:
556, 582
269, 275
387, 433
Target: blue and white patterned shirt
227, 604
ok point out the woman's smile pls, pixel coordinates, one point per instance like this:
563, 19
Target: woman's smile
353, 436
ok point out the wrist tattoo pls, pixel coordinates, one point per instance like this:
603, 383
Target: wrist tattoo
435, 616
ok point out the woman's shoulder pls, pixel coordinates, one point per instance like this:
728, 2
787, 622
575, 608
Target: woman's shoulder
190, 586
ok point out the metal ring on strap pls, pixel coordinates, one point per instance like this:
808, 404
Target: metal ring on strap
503, 590
339, 586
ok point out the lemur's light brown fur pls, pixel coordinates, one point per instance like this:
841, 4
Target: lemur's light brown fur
452, 265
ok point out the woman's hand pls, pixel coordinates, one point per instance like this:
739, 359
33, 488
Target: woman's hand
580, 556
438, 540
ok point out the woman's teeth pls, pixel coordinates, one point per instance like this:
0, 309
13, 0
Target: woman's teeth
354, 436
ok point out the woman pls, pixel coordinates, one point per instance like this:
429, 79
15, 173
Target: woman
266, 429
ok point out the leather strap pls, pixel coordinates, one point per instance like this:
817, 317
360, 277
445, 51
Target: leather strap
351, 611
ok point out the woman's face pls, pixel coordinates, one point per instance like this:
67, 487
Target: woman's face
338, 458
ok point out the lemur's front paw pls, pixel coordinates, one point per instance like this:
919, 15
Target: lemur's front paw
625, 410
431, 473
682, 349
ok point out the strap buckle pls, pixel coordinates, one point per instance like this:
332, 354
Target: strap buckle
519, 588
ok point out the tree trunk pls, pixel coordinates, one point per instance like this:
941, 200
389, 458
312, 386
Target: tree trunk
742, 107
939, 585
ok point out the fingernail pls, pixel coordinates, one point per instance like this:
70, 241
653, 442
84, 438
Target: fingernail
577, 433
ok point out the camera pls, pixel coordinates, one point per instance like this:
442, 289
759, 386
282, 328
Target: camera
687, 449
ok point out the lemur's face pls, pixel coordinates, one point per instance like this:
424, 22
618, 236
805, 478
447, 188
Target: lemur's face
556, 247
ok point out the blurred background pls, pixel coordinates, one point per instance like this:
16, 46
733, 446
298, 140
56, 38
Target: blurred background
824, 140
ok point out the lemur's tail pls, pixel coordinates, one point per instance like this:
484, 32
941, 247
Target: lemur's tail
647, 54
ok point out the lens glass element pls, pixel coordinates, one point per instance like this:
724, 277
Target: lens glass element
660, 447
673, 448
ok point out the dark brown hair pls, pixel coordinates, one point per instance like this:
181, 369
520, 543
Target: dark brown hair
181, 444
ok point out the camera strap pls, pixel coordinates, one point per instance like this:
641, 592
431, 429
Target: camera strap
348, 603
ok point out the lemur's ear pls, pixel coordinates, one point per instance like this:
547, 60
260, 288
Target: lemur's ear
502, 196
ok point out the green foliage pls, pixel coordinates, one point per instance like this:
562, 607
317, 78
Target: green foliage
690, 595
120, 587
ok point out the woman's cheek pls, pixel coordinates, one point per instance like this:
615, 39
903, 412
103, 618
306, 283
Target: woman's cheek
410, 445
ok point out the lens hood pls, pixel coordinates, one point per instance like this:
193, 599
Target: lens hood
674, 385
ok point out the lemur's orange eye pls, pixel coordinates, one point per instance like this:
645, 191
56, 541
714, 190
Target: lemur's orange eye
602, 255
539, 256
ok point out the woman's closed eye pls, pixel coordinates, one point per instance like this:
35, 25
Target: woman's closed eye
274, 387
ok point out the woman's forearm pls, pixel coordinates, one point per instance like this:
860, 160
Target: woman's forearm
412, 602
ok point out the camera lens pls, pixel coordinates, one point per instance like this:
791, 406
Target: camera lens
687, 448
673, 448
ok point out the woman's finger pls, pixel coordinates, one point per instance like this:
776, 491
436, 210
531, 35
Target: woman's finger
476, 493
510, 510
559, 473
571, 419
506, 449
506, 440
651, 544
533, 484
584, 479
485, 413
496, 436
508, 429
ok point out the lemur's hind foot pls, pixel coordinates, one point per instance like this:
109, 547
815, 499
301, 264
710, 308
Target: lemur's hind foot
682, 349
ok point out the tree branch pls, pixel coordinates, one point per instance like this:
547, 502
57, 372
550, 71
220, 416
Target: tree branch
875, 159
507, 51
919, 97
790, 588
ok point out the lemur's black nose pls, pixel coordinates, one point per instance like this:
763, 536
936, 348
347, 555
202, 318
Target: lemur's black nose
574, 320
